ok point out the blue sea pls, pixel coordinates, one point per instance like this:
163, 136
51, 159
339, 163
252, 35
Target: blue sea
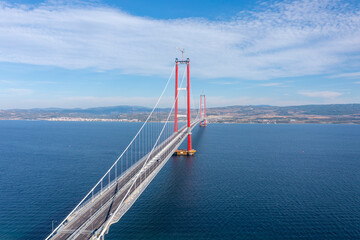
246, 181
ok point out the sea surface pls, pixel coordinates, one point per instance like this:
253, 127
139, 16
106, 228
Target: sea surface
246, 181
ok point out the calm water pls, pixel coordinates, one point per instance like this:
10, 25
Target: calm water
245, 182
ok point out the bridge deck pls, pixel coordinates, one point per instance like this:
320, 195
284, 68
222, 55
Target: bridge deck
90, 219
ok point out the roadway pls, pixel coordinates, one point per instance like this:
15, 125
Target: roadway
83, 223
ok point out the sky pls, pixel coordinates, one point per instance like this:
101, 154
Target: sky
83, 54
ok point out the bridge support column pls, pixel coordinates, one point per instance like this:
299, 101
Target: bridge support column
203, 121
189, 150
176, 94
205, 110
200, 107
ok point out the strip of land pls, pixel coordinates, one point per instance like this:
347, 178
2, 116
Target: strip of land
328, 114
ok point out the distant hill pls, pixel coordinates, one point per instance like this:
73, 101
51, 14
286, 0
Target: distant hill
114, 112
330, 113
328, 109
98, 110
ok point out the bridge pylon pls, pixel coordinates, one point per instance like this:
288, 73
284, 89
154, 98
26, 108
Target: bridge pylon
176, 94
189, 151
203, 106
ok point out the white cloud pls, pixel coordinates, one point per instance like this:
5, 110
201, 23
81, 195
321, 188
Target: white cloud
224, 83
16, 91
321, 94
6, 82
351, 75
273, 84
288, 39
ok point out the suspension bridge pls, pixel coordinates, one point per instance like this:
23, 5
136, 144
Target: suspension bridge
157, 140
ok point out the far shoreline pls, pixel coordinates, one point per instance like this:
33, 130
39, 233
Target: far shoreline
139, 121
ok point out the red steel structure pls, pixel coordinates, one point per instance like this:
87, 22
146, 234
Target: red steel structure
203, 106
189, 150
188, 105
200, 107
176, 94
204, 110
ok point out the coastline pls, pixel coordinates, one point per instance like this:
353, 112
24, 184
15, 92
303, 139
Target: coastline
67, 119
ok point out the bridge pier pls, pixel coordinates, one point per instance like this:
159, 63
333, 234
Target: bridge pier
184, 152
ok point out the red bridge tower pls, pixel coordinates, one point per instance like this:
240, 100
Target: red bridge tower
189, 150
203, 106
